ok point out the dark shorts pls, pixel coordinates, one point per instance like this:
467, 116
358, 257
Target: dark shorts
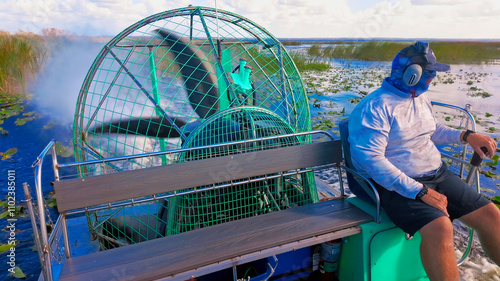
411, 215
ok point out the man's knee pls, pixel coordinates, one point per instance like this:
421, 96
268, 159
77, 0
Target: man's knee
439, 229
485, 217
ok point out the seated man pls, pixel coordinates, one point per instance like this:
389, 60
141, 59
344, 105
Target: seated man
392, 133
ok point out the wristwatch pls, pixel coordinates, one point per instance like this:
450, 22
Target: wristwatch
422, 192
466, 135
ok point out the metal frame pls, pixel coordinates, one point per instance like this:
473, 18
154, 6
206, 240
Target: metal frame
472, 175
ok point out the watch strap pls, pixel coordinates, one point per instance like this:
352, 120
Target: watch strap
422, 192
466, 135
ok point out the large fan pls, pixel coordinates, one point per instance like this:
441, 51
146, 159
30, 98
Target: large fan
191, 77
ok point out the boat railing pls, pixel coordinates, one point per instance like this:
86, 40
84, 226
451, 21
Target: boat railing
40, 215
473, 177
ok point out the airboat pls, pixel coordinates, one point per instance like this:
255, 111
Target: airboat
195, 160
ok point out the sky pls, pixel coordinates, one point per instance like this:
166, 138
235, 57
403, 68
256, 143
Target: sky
435, 19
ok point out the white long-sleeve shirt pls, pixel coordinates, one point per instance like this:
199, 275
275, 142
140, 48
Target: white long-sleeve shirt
392, 137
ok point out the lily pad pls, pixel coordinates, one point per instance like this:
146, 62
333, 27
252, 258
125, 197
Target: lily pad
493, 162
5, 247
50, 200
492, 175
27, 114
17, 107
15, 212
22, 121
18, 273
7, 154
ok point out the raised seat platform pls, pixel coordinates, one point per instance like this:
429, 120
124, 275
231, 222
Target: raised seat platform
179, 256
212, 248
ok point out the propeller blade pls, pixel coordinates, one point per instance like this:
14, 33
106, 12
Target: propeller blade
201, 84
154, 127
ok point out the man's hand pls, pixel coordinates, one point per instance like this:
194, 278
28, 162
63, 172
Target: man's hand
436, 200
476, 141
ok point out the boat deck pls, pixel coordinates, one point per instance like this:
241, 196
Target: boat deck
224, 245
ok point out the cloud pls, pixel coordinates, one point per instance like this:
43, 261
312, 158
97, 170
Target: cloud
437, 2
283, 18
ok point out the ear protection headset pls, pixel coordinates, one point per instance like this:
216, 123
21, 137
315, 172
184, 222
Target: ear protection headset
412, 73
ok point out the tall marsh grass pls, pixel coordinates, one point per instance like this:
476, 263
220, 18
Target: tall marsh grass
21, 56
447, 52
304, 62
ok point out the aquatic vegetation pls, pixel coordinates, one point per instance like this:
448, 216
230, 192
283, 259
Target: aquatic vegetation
22, 121
6, 247
18, 273
50, 200
8, 154
449, 81
305, 63
493, 161
323, 124
369, 51
490, 174
9, 210
21, 56
480, 94
496, 199
354, 100
9, 106
448, 52
314, 50
333, 112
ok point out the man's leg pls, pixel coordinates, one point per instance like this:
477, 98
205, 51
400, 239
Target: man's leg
486, 222
437, 250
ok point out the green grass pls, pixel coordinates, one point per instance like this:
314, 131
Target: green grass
21, 56
447, 52
305, 63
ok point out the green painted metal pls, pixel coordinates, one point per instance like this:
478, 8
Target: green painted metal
162, 84
156, 95
242, 86
222, 80
380, 252
203, 209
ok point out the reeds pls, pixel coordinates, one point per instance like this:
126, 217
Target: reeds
464, 52
21, 56
304, 62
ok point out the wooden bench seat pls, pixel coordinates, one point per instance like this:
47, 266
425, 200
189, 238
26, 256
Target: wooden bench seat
182, 255
172, 255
